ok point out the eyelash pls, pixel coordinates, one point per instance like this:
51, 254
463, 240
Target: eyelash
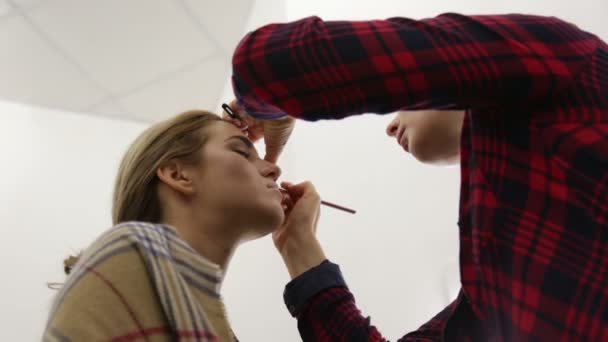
244, 154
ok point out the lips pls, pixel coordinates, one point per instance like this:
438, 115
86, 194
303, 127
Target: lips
400, 133
406, 146
275, 187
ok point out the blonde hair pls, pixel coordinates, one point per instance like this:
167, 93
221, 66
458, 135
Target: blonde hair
181, 137
135, 197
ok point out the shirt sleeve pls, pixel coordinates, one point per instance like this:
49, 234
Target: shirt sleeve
325, 308
314, 69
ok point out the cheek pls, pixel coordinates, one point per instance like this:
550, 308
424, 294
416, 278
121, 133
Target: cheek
227, 170
422, 140
416, 133
242, 175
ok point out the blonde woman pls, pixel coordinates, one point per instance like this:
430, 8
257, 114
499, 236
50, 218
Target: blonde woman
188, 192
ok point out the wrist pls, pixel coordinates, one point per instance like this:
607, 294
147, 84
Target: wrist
301, 256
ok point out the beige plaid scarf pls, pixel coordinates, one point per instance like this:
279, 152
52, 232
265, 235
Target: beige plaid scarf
140, 281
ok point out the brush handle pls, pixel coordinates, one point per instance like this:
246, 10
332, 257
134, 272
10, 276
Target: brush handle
329, 204
339, 207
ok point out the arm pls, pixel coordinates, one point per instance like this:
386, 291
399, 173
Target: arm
318, 295
325, 308
313, 69
326, 312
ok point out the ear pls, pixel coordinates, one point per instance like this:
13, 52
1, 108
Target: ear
178, 178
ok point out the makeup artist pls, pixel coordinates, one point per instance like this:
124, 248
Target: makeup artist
520, 101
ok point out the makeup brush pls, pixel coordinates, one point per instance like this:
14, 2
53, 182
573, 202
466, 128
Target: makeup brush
233, 115
329, 204
339, 207
229, 110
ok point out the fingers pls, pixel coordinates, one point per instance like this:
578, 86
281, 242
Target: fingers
287, 202
271, 156
297, 191
255, 131
275, 132
276, 135
302, 208
234, 104
238, 117
238, 123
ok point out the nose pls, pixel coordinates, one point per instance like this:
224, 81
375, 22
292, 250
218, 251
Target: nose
393, 127
270, 170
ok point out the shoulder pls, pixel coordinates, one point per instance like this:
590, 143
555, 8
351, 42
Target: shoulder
108, 287
116, 253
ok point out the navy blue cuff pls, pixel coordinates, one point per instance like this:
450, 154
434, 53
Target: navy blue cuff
305, 286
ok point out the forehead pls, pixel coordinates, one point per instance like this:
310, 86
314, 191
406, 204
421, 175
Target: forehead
219, 131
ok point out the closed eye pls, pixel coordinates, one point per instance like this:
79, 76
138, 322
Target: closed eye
243, 153
245, 150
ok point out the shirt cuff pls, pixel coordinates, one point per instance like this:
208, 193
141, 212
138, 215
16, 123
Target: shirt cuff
305, 286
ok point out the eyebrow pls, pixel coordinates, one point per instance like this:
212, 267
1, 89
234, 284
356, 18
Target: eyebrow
243, 139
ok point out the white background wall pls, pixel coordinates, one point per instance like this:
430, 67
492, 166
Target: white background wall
398, 253
56, 183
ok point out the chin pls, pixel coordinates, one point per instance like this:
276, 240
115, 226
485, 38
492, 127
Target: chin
271, 219
277, 219
260, 220
435, 158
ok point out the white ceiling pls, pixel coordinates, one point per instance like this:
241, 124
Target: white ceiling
145, 60
142, 60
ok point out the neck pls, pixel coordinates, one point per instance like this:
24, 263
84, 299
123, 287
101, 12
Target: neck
206, 233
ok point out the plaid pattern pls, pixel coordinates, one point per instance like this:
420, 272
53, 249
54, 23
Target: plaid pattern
140, 281
533, 217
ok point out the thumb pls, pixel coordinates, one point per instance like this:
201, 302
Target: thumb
272, 156
276, 135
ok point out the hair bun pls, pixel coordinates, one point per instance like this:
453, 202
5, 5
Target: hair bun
69, 263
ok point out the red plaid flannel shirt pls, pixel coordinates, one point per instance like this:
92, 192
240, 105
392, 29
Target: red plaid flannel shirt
534, 156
